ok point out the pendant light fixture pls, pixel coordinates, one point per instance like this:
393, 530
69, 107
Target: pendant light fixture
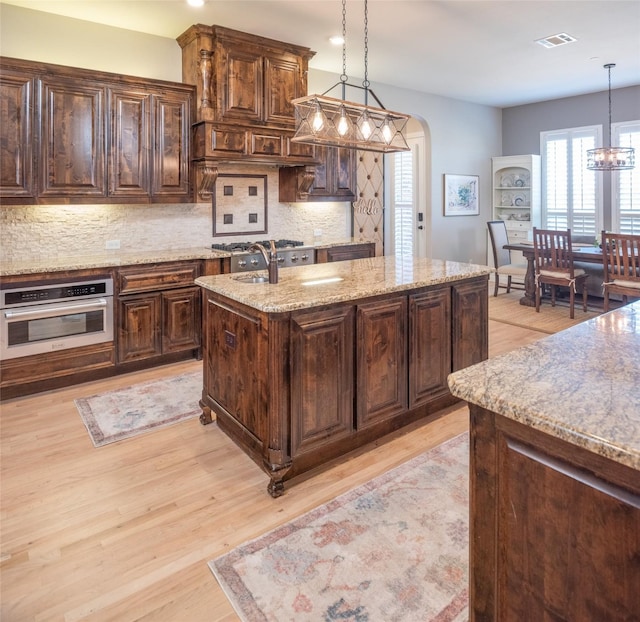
322, 120
610, 158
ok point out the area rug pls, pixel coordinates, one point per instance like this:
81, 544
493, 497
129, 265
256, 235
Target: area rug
393, 549
120, 414
506, 308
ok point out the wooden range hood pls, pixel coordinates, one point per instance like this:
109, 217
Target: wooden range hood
244, 87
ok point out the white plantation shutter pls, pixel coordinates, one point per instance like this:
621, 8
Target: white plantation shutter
402, 195
571, 194
625, 185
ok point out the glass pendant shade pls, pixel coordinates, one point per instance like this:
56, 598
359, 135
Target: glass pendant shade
348, 124
610, 159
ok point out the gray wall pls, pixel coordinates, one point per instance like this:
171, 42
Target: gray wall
521, 125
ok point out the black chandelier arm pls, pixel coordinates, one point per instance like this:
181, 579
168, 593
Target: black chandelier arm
342, 84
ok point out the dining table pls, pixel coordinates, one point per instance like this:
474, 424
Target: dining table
588, 254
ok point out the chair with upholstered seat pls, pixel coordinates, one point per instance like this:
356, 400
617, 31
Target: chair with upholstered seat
621, 262
502, 257
553, 259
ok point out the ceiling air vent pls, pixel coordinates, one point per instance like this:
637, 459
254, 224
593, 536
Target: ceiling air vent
553, 41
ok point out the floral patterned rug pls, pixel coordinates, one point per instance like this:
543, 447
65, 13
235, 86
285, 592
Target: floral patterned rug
393, 549
115, 415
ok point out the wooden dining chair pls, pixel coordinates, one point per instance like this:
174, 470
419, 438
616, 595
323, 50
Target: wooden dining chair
621, 262
553, 259
502, 257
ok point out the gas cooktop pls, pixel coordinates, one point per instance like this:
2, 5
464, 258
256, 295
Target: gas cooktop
233, 247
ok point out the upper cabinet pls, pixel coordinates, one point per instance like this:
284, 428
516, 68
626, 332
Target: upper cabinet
17, 93
78, 136
244, 87
333, 178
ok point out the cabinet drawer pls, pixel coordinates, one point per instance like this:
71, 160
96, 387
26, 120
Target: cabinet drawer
517, 236
521, 225
133, 280
265, 144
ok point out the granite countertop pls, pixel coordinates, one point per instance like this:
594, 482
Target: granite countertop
303, 287
45, 263
581, 385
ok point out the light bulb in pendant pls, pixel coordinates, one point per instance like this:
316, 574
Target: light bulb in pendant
343, 122
365, 126
318, 119
387, 132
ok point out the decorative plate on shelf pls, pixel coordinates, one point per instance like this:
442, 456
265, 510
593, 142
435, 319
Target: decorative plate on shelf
521, 181
519, 200
507, 199
507, 180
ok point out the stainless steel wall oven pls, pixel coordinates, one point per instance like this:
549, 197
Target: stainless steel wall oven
47, 318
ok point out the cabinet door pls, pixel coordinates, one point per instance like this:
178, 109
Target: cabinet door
171, 127
429, 345
282, 84
470, 323
139, 327
381, 385
241, 85
16, 136
181, 320
72, 158
335, 176
130, 140
322, 378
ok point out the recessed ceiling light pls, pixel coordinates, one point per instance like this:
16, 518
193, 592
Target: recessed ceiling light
337, 39
195, 2
553, 41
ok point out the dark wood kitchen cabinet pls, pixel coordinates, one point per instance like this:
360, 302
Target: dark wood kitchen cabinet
95, 137
345, 252
158, 311
332, 178
381, 360
72, 152
295, 389
244, 87
17, 95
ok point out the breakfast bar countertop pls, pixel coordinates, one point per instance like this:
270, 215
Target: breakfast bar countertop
40, 263
316, 285
581, 385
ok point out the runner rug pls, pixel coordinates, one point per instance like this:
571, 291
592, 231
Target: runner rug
120, 414
506, 308
393, 549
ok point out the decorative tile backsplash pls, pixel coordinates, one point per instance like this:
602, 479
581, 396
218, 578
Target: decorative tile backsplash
80, 229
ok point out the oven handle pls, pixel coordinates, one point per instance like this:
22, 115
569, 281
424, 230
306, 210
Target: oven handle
98, 303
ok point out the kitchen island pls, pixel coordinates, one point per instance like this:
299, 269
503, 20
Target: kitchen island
555, 475
336, 355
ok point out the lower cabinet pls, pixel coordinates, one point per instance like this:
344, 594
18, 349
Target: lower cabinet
346, 252
158, 311
295, 390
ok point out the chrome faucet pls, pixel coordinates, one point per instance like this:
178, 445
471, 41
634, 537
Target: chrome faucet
270, 257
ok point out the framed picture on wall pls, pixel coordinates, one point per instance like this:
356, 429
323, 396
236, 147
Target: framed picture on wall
461, 195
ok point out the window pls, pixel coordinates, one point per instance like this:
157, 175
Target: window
571, 194
402, 202
625, 185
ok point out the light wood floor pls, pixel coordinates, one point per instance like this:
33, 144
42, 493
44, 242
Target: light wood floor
124, 532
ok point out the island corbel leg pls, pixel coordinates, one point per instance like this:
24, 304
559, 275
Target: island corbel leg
206, 417
277, 472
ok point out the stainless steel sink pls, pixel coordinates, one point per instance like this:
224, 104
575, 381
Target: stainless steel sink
251, 278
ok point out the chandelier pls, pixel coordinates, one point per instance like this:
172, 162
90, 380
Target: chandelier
610, 158
323, 120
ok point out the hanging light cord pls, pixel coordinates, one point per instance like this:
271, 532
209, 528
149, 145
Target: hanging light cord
609, 66
343, 77
365, 82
